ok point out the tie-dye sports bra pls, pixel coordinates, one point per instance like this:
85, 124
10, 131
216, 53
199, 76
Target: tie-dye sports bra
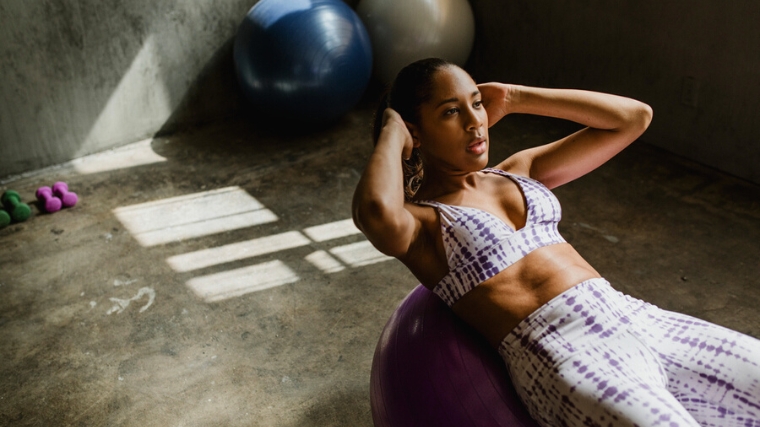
479, 244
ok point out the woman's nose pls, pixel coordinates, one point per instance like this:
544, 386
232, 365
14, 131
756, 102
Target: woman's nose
474, 121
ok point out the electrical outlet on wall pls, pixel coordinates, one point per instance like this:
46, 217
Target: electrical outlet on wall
689, 91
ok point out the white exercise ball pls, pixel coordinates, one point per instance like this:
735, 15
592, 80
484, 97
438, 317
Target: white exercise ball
403, 31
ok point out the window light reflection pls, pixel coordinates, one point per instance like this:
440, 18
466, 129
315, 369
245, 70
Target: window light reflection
193, 215
237, 251
359, 254
323, 261
234, 283
332, 230
137, 154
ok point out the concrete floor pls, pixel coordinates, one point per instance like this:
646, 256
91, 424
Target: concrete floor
123, 314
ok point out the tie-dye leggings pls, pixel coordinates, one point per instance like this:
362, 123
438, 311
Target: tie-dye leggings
593, 356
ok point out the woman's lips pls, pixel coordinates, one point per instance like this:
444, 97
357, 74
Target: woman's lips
477, 147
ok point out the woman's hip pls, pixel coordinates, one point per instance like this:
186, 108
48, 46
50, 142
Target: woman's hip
588, 312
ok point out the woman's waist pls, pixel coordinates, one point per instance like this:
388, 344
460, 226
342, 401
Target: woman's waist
498, 305
590, 310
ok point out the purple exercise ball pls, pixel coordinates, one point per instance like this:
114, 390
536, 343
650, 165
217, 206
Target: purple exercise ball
432, 369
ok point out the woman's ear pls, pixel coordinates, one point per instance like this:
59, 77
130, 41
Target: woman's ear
414, 133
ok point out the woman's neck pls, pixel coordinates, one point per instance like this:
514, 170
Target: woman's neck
437, 183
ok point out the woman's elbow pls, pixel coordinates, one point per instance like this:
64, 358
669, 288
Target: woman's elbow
388, 240
646, 114
641, 116
395, 249
634, 119
385, 231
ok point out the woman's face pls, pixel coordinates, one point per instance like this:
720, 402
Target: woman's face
452, 133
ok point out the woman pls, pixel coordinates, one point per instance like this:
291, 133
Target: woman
486, 242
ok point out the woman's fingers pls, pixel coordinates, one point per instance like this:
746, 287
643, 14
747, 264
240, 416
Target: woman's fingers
491, 93
390, 115
495, 99
406, 153
393, 118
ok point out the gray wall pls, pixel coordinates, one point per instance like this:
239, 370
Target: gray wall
81, 76
697, 63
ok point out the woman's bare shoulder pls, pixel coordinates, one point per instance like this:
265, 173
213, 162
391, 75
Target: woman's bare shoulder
517, 164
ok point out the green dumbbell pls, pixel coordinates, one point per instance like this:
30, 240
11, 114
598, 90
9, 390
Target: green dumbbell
19, 211
5, 219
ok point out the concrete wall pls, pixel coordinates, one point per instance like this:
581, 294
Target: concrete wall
696, 62
81, 76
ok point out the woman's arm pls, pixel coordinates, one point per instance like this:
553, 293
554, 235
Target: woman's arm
378, 204
613, 122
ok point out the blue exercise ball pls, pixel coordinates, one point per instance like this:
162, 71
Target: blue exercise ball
302, 60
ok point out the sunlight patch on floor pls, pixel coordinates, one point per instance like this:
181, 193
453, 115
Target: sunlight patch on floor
333, 230
359, 254
237, 251
193, 215
323, 261
226, 209
137, 154
234, 283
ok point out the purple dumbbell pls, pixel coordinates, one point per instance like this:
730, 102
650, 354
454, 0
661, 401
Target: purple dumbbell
51, 203
61, 190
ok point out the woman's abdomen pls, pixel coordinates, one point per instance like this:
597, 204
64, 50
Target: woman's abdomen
497, 305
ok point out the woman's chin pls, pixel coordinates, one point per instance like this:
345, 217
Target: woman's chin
480, 163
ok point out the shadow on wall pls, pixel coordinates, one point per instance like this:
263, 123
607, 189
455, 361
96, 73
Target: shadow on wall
695, 63
216, 94
213, 95
81, 77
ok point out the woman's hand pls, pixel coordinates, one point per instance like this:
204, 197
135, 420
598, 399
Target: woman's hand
497, 99
396, 128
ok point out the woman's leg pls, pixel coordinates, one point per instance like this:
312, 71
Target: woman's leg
713, 371
612, 381
574, 363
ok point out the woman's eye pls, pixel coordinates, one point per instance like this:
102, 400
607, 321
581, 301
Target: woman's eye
452, 111
478, 104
